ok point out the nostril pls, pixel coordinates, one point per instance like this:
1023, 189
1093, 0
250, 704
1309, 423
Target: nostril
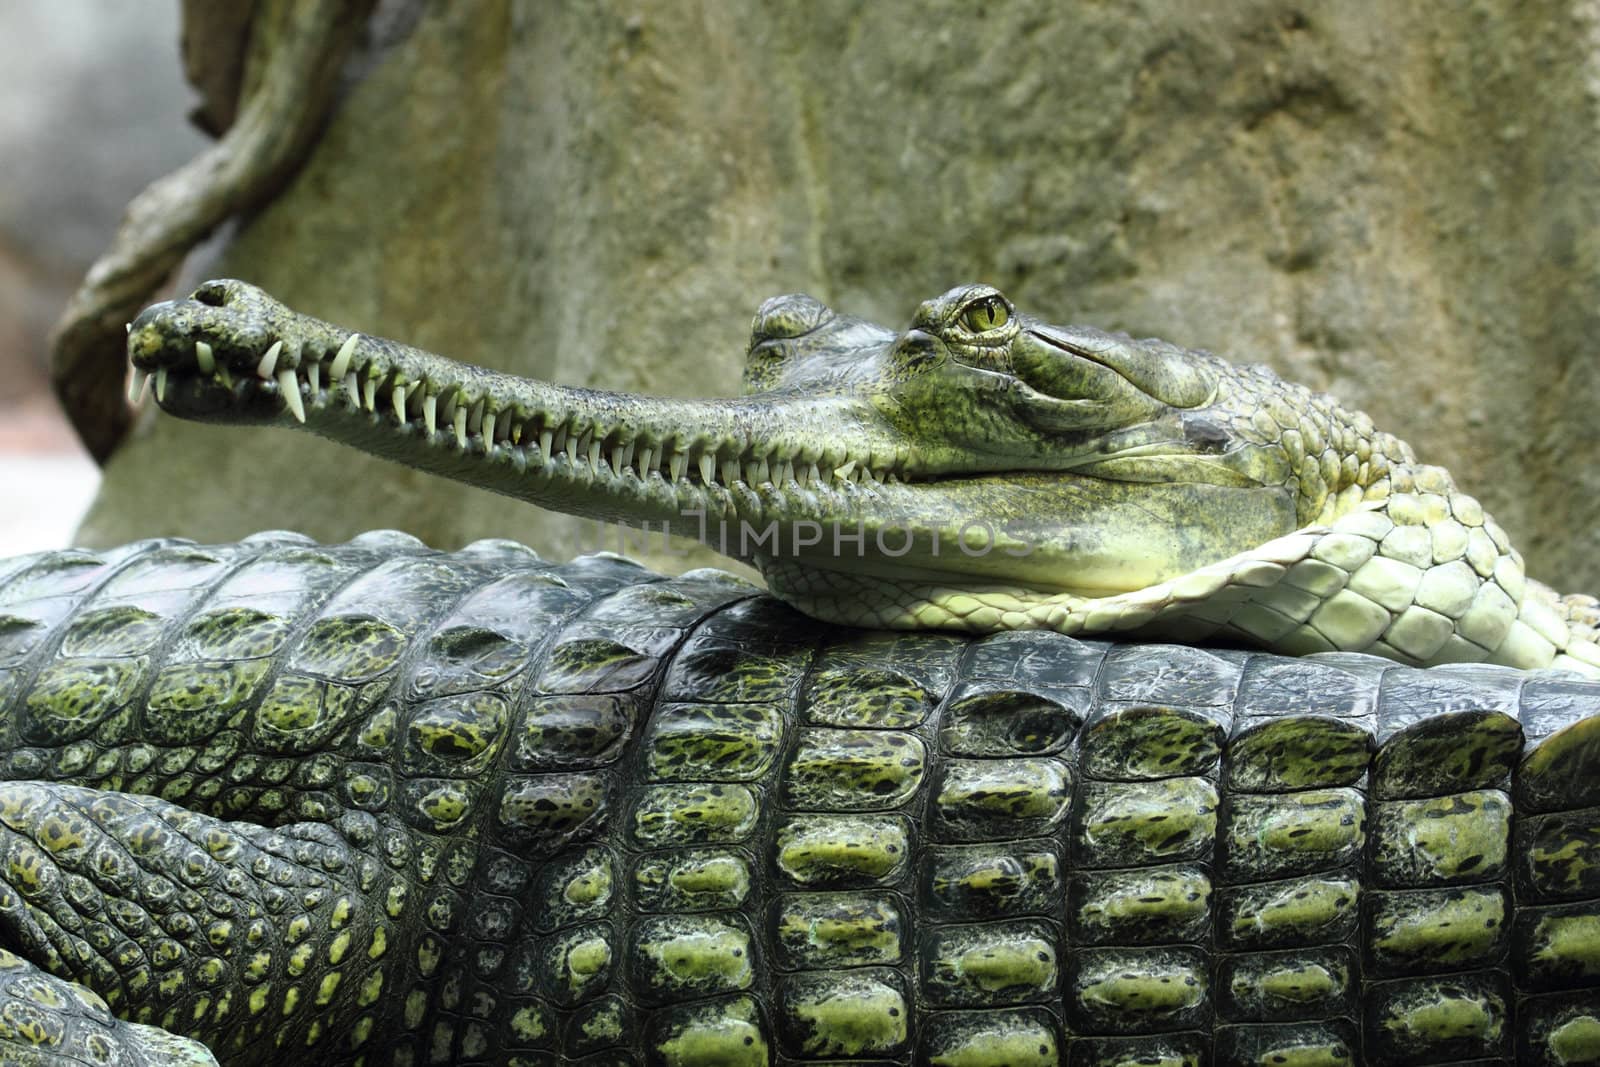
211, 294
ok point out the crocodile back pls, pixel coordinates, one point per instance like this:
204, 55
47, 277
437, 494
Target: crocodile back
635, 819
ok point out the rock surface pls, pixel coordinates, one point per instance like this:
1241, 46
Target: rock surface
1395, 207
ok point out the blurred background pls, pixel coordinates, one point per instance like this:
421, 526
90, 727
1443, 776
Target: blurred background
92, 105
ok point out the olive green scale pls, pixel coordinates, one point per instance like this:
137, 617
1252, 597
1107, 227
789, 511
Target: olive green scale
371, 803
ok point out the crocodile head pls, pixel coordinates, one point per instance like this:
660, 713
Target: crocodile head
981, 469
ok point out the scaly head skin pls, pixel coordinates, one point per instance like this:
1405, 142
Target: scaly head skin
982, 470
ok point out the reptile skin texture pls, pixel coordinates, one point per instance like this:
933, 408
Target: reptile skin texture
372, 803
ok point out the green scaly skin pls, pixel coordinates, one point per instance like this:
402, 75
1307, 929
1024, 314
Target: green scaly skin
279, 802
981, 471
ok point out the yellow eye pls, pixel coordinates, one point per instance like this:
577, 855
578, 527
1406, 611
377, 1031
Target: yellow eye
984, 315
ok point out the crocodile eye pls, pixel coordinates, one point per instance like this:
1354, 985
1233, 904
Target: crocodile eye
989, 313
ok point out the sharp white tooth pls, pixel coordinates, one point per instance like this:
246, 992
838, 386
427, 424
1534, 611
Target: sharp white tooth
731, 472
488, 429
546, 439
627, 456
161, 384
708, 469
559, 441
352, 388
516, 433
594, 457
461, 428
762, 473
647, 461
289, 386
399, 401
616, 459
430, 413
813, 475
369, 394
785, 473
204, 358
680, 463
585, 439
137, 381
341, 360
843, 473
269, 362
314, 378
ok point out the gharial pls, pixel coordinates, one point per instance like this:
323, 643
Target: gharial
375, 803
996, 473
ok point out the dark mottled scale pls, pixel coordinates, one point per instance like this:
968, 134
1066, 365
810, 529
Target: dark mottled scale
754, 651
978, 800
1557, 856
1428, 931
1445, 731
1301, 725
824, 930
1125, 824
699, 879
1140, 906
1560, 1030
1561, 750
1459, 838
1446, 1019
1020, 694
712, 742
880, 680
1266, 836
992, 880
990, 718
853, 770
1298, 984
1018, 1037
1329, 1043
1159, 716
1557, 946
